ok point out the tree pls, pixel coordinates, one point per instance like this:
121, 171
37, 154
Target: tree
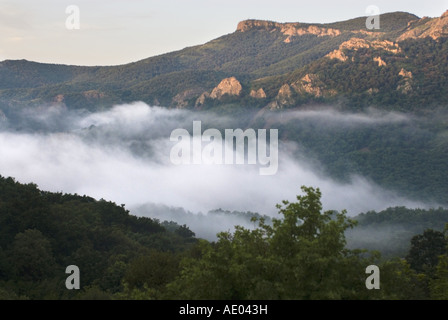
439, 285
425, 250
311, 244
400, 282
31, 256
185, 232
301, 256
151, 271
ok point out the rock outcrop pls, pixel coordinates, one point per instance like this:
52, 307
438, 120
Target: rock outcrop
283, 98
309, 85
230, 86
93, 94
354, 44
406, 84
381, 62
59, 98
247, 25
405, 74
258, 94
385, 45
284, 95
288, 29
373, 91
312, 85
292, 30
337, 54
426, 27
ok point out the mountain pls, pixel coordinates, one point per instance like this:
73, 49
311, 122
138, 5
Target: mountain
42, 233
263, 64
266, 65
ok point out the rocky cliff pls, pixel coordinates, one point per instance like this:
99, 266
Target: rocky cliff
230, 86
426, 27
287, 29
355, 44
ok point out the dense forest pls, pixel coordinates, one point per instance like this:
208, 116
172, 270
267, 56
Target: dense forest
302, 254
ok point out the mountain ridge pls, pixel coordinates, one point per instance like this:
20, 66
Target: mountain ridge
260, 55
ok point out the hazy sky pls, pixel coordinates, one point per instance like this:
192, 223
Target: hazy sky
121, 31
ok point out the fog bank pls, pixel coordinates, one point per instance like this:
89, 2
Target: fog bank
123, 155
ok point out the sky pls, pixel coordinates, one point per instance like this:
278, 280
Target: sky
116, 32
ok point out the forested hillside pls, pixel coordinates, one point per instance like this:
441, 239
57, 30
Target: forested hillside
41, 233
302, 254
401, 66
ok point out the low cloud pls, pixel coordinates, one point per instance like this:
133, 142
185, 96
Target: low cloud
332, 117
122, 155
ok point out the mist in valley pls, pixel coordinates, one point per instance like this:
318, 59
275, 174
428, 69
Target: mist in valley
123, 155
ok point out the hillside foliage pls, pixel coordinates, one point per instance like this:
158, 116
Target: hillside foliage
300, 255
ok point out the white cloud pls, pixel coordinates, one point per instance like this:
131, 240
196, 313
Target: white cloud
125, 158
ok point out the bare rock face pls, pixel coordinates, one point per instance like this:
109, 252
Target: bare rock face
426, 27
284, 94
357, 43
288, 29
386, 45
247, 25
230, 86
373, 91
295, 30
284, 98
258, 94
354, 44
406, 84
93, 94
309, 84
337, 54
380, 61
405, 74
315, 30
59, 98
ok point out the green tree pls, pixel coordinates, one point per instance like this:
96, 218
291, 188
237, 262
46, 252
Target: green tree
301, 256
93, 293
400, 282
9, 295
31, 256
425, 250
439, 285
152, 271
